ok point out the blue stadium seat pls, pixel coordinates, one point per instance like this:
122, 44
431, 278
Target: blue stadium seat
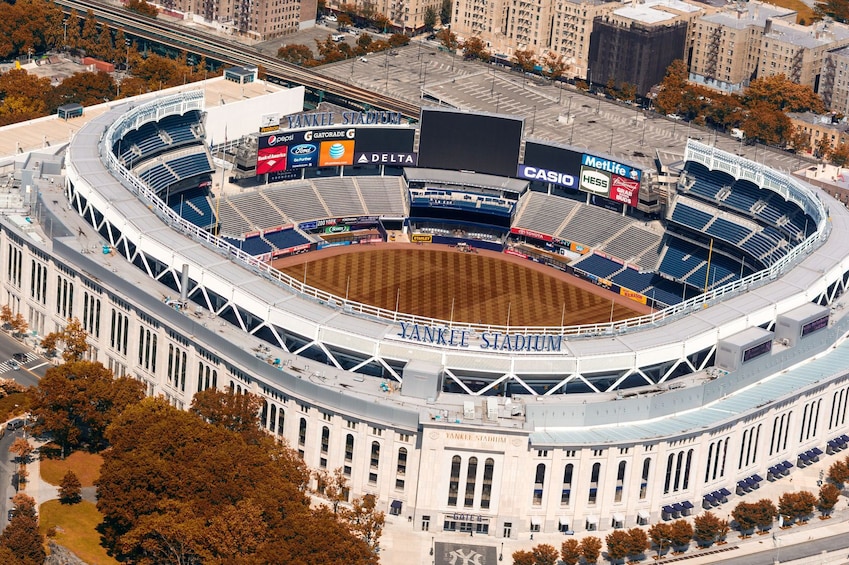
690, 217
729, 231
285, 239
633, 279
598, 265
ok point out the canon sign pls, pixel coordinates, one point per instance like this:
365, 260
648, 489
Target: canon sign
545, 175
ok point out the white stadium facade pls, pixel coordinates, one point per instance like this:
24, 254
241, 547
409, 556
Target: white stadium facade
605, 426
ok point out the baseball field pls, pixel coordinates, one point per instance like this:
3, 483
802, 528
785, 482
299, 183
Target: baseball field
443, 282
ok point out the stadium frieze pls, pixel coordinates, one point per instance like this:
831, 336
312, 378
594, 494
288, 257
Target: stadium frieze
492, 341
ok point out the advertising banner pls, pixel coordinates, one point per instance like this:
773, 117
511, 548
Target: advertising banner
269, 122
271, 159
382, 158
624, 190
335, 153
421, 238
530, 233
303, 155
609, 166
635, 296
546, 175
595, 181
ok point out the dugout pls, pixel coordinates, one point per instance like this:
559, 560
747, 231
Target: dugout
801, 322
68, 111
735, 351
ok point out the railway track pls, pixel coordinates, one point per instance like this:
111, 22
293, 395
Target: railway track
232, 52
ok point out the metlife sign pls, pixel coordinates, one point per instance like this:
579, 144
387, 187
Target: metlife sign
611, 167
544, 175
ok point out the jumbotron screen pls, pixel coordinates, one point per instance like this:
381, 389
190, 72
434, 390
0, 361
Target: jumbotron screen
450, 139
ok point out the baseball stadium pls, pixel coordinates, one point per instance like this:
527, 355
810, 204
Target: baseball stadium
450, 307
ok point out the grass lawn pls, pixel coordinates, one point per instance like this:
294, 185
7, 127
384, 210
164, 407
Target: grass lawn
75, 526
803, 11
86, 466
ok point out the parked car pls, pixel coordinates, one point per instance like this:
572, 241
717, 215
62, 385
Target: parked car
331, 18
20, 357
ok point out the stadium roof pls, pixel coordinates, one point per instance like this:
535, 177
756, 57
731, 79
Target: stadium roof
476, 180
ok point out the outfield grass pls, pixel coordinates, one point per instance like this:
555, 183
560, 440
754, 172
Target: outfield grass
86, 466
75, 525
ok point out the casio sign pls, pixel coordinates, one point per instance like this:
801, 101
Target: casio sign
595, 181
535, 173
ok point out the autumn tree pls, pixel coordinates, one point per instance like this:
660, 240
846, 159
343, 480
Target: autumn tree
6, 315
591, 549
661, 536
344, 21
670, 98
838, 10
707, 528
555, 65
333, 487
23, 96
829, 495
448, 39
73, 30
781, 93
73, 337
297, 54
328, 50
88, 36
839, 155
800, 140
545, 554
838, 472
523, 557
765, 513
570, 552
767, 124
364, 520
525, 59
618, 545
22, 449
19, 324
398, 40
22, 538
822, 147
70, 489
142, 7
75, 403
746, 516
475, 48
234, 412
801, 506
86, 88
680, 534
172, 481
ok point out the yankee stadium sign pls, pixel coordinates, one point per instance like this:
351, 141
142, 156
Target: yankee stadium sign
490, 341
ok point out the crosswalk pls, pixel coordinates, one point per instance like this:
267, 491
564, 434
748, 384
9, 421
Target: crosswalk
11, 364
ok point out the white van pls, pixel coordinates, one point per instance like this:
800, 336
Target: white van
338, 37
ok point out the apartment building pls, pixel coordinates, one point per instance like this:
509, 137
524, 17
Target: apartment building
636, 43
255, 19
834, 81
405, 15
799, 52
819, 127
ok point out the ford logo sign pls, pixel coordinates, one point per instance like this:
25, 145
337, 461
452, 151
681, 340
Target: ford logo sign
303, 149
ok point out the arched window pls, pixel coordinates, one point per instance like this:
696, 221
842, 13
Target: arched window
644, 478
486, 488
281, 419
302, 432
454, 482
374, 462
566, 493
670, 461
594, 475
539, 481
263, 415
687, 465
325, 439
272, 422
620, 482
402, 461
709, 461
678, 468
349, 448
471, 476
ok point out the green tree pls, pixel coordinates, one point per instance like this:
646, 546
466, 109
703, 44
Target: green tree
570, 552
591, 549
445, 12
429, 18
70, 489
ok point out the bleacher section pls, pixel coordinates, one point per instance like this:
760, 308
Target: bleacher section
600, 266
285, 239
681, 257
191, 165
340, 196
544, 213
707, 184
299, 201
728, 231
633, 279
154, 138
383, 196
688, 215
593, 226
158, 177
193, 205
632, 244
231, 220
170, 169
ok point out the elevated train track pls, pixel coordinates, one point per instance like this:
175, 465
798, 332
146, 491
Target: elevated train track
230, 52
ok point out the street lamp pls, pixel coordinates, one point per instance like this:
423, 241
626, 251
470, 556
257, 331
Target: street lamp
501, 555
431, 544
660, 548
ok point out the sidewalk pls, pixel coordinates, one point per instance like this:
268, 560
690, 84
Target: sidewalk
401, 544
40, 490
